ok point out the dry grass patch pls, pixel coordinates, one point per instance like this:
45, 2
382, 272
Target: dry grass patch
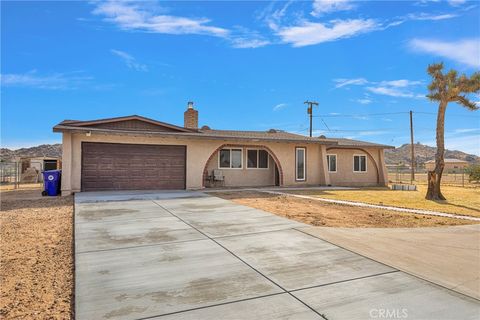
36, 269
465, 201
319, 213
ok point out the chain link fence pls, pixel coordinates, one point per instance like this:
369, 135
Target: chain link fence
458, 177
21, 174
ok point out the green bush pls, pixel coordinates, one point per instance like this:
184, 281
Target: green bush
474, 173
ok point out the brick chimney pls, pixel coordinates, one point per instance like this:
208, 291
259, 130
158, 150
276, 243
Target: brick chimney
190, 117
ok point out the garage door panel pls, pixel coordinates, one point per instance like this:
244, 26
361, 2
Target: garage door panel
108, 166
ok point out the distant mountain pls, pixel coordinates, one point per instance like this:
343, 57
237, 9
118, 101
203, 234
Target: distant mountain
424, 153
44, 150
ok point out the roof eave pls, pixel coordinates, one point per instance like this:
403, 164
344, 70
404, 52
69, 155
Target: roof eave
378, 146
75, 123
63, 128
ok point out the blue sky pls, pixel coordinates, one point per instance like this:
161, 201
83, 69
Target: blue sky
246, 65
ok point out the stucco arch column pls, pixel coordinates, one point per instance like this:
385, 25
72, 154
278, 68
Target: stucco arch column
382, 169
324, 175
243, 146
67, 158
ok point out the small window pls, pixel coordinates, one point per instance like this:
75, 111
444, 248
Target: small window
230, 158
359, 163
224, 158
300, 164
262, 159
257, 159
332, 162
252, 158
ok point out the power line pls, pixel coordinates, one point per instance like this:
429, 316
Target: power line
359, 130
359, 115
388, 114
325, 124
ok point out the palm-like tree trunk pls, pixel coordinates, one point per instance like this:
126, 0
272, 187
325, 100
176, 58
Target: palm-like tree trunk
435, 176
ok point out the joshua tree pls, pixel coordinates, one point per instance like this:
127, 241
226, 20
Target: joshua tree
445, 88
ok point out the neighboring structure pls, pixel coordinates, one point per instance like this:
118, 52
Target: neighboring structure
451, 165
31, 168
134, 152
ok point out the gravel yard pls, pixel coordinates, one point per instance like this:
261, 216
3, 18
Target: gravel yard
36, 268
332, 215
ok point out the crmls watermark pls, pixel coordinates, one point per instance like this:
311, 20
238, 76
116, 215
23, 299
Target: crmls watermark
388, 313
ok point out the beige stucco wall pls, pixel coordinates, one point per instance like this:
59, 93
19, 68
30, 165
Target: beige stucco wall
199, 151
376, 173
245, 177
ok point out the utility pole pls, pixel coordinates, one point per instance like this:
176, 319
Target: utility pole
412, 164
310, 111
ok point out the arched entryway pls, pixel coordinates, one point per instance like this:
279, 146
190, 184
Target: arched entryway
368, 154
211, 163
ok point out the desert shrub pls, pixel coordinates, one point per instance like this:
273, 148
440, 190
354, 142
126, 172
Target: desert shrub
474, 173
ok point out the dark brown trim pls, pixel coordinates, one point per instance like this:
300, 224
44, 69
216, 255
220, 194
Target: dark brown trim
119, 119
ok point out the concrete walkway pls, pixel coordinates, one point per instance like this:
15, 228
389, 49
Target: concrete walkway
186, 255
448, 256
375, 206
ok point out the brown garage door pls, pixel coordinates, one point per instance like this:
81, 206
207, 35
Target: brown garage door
114, 166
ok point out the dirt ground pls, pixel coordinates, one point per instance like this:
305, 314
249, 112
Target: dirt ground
36, 263
324, 214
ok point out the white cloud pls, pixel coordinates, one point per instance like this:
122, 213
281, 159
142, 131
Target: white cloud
280, 106
402, 83
466, 52
133, 16
364, 101
56, 81
389, 91
327, 6
361, 118
310, 33
422, 16
394, 88
466, 130
246, 42
456, 3
347, 82
373, 132
129, 60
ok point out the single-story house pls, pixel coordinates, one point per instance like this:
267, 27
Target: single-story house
138, 153
451, 165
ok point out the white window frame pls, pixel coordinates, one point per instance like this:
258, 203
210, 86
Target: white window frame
366, 163
258, 158
304, 163
328, 162
230, 149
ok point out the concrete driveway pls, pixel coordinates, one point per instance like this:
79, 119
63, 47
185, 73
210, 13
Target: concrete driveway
187, 255
448, 256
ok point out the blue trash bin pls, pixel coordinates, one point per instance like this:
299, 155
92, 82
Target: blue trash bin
51, 182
